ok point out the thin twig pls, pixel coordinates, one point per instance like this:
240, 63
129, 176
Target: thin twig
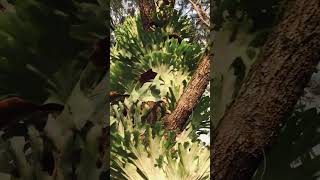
203, 16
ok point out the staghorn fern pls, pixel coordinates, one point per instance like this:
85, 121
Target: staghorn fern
45, 49
140, 151
144, 151
138, 51
140, 147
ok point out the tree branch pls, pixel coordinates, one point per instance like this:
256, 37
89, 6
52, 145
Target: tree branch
188, 100
196, 86
147, 8
203, 16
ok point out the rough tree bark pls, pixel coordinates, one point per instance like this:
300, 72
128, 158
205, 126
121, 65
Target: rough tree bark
169, 3
272, 88
147, 8
188, 100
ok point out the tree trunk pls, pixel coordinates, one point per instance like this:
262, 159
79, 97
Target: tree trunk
188, 100
147, 9
270, 92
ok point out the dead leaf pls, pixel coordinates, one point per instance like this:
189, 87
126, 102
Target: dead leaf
147, 76
13, 108
115, 96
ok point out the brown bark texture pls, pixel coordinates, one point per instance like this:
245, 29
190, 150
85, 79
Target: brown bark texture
188, 100
270, 92
169, 2
147, 9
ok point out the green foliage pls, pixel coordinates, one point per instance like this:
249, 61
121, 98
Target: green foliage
44, 57
136, 51
167, 86
38, 38
297, 147
140, 146
240, 30
140, 150
261, 13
